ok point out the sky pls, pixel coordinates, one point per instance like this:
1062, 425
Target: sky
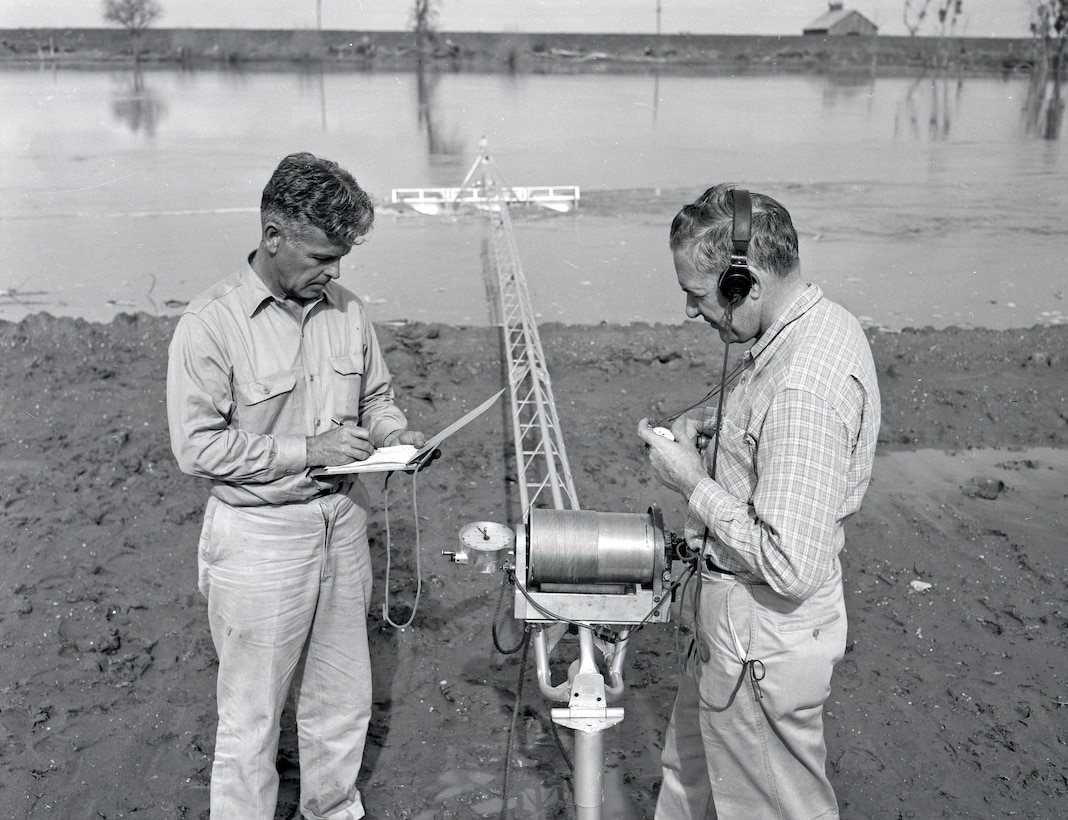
980, 18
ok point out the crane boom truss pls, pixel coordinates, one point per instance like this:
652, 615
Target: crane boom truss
541, 458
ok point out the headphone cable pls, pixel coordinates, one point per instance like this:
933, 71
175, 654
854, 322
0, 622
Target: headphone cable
725, 381
722, 391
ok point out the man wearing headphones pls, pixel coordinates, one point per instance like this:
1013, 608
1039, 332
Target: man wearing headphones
769, 480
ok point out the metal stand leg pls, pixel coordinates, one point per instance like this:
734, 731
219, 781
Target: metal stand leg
589, 715
589, 774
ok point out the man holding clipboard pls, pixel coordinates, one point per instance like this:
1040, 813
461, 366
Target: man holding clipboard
406, 457
274, 372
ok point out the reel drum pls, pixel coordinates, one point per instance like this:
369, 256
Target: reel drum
593, 566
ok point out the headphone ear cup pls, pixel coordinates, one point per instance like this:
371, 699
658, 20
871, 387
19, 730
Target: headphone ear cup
735, 283
736, 280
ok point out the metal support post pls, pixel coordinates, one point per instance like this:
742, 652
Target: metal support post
588, 714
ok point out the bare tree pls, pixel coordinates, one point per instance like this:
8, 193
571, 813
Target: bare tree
424, 21
133, 15
913, 18
947, 12
1049, 20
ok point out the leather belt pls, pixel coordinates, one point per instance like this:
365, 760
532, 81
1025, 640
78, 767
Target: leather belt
712, 567
341, 485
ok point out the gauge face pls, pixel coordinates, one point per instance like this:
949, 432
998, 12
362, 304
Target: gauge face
487, 535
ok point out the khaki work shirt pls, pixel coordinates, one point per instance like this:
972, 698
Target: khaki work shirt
250, 377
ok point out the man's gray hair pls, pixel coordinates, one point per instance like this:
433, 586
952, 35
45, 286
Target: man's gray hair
703, 229
309, 190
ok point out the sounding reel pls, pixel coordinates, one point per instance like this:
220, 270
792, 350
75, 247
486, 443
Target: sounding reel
577, 565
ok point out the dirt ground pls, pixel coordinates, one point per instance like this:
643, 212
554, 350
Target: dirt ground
951, 701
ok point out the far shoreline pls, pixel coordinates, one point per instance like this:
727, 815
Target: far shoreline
512, 52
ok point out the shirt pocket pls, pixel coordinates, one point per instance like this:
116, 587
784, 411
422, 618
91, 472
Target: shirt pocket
262, 402
737, 453
346, 381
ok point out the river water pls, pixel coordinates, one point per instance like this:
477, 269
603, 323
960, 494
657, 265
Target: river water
932, 200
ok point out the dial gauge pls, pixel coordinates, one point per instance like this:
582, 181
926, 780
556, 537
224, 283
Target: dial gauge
486, 535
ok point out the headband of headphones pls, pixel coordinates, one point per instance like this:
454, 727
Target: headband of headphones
743, 217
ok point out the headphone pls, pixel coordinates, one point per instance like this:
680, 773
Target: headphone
736, 280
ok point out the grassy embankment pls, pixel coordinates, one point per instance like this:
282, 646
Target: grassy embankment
515, 51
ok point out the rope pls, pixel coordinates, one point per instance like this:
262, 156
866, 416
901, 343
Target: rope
525, 646
563, 751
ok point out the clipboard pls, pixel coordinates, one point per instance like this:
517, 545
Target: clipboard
406, 457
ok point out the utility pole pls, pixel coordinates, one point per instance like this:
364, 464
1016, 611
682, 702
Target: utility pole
658, 19
318, 15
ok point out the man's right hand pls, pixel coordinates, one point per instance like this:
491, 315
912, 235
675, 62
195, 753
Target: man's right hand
699, 427
676, 463
339, 446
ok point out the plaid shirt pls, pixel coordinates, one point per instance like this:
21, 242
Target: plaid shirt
795, 454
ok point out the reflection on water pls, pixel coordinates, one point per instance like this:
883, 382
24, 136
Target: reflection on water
136, 105
933, 115
1044, 109
440, 142
936, 199
432, 122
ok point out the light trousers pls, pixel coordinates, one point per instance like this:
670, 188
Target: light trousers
745, 740
288, 591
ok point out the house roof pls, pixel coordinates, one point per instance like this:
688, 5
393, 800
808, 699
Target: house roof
830, 18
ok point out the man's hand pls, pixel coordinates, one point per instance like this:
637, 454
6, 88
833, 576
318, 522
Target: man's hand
699, 425
339, 446
412, 437
676, 464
